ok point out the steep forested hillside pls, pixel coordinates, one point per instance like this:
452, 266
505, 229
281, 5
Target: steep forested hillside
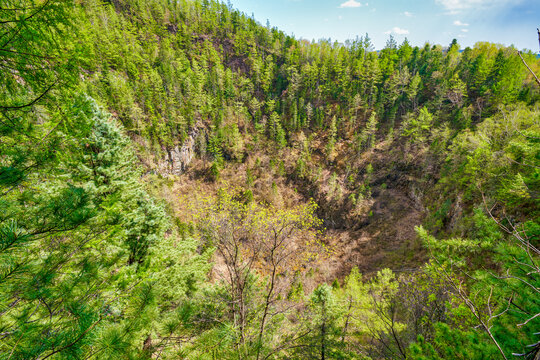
178, 181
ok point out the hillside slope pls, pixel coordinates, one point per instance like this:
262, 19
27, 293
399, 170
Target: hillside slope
233, 85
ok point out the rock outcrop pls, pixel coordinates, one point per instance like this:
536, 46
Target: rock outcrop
179, 158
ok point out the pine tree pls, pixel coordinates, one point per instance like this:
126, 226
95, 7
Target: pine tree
63, 251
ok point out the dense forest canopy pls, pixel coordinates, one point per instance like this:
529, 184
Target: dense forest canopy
178, 181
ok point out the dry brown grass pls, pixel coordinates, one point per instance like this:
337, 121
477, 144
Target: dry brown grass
376, 234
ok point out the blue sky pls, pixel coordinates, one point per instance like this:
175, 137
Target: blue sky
436, 21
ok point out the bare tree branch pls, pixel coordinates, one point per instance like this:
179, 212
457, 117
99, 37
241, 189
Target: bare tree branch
18, 107
530, 70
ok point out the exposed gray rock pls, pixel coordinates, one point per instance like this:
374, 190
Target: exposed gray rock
179, 158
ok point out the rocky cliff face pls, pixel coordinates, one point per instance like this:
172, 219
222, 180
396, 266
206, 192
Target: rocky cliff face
179, 158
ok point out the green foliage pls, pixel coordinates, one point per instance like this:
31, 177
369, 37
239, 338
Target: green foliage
62, 237
366, 139
259, 244
453, 344
499, 160
417, 128
90, 265
323, 339
75, 213
331, 143
292, 85
490, 295
38, 47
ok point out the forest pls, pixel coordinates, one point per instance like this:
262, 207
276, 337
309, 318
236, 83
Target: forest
179, 181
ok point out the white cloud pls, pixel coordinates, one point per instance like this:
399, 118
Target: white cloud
407, 14
464, 30
455, 6
350, 4
459, 23
397, 31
